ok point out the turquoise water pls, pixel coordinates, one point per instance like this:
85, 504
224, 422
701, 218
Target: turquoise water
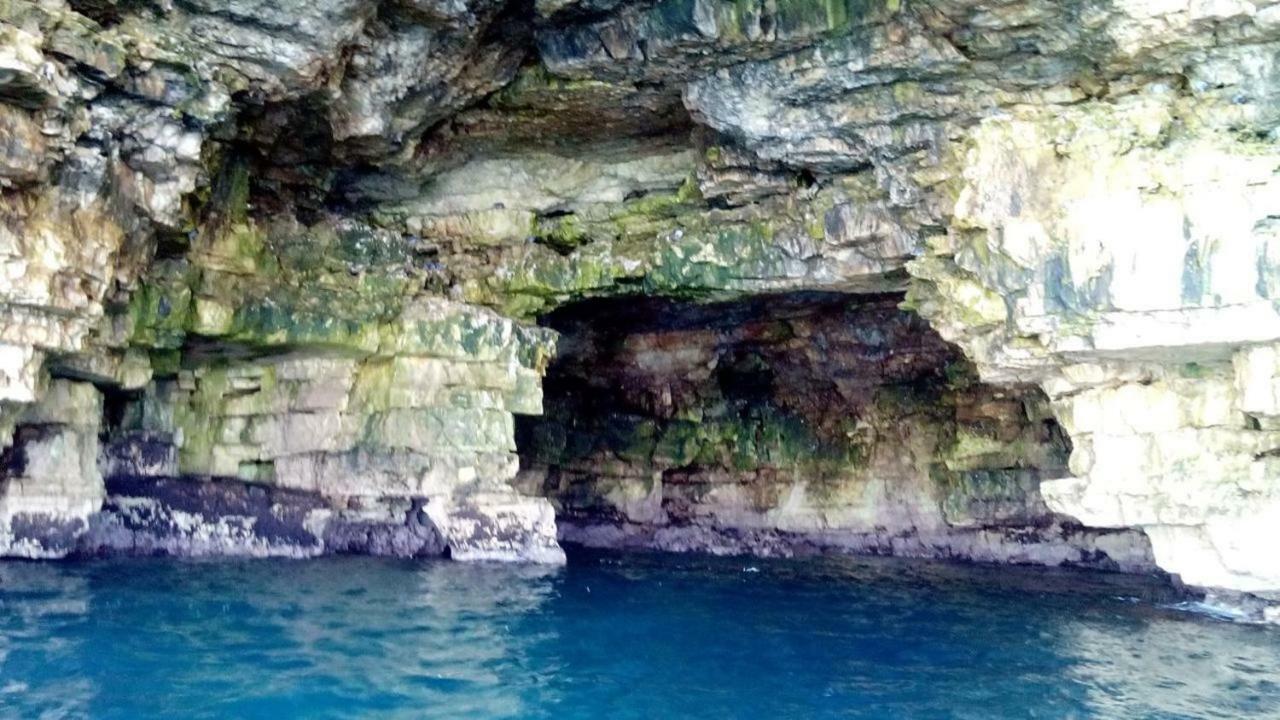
641, 636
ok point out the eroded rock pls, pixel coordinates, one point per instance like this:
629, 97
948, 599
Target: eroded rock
798, 424
299, 249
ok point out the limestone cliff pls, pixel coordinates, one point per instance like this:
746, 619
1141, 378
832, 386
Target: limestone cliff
272, 274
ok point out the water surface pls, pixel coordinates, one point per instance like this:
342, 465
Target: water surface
636, 636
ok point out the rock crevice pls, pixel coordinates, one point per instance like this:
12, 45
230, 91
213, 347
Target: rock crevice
305, 246
797, 424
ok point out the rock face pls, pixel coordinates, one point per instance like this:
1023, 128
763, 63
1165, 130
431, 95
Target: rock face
271, 275
1138, 295
412, 429
51, 480
800, 423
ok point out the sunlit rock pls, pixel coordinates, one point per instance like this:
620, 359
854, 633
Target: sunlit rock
280, 269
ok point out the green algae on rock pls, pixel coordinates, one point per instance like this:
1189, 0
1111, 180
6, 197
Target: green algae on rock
304, 249
796, 424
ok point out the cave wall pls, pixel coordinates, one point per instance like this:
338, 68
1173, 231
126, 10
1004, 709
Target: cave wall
812, 422
276, 197
1123, 259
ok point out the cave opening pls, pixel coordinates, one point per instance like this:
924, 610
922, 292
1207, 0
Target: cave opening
791, 424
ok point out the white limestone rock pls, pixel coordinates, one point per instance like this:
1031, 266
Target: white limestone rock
52, 484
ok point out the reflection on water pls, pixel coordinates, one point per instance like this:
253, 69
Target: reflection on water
611, 636
151, 638
42, 610
1176, 669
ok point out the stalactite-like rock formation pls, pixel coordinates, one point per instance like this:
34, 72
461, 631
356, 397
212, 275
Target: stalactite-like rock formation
271, 274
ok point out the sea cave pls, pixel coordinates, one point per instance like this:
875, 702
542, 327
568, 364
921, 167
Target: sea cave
497, 358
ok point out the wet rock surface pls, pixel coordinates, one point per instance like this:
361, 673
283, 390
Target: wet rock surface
797, 424
305, 246
190, 517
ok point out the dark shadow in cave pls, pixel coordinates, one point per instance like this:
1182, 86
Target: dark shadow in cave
796, 423
827, 388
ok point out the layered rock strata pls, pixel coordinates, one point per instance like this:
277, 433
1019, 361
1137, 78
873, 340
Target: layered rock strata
50, 477
417, 431
797, 424
234, 226
1137, 294
406, 449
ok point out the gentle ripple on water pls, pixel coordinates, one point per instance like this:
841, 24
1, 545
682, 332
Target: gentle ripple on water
642, 636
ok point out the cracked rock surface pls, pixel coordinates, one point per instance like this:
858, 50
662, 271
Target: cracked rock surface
306, 246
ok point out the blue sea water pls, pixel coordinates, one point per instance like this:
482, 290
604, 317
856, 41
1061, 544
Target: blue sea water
612, 636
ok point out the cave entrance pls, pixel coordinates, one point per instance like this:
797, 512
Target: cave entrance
792, 423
